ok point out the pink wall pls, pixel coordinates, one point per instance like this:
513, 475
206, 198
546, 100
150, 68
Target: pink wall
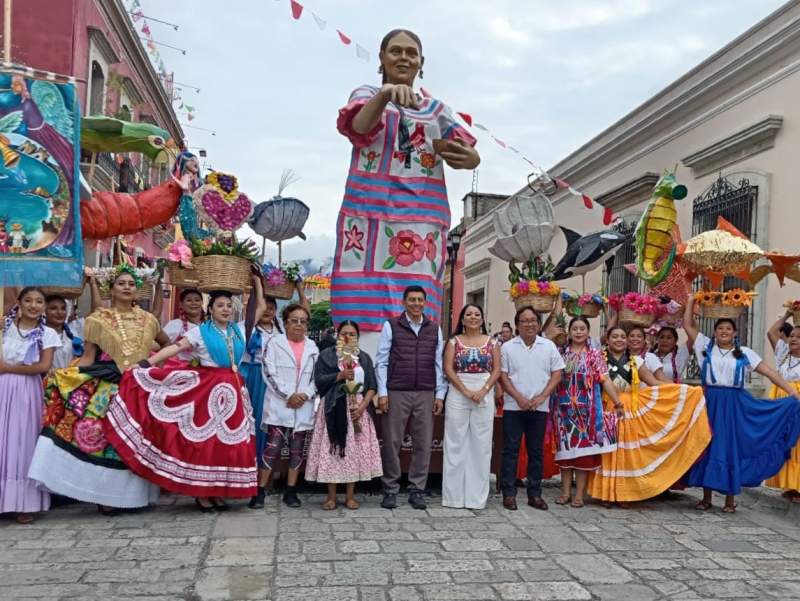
41, 35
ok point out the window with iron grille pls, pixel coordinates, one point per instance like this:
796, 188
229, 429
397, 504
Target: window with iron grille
619, 280
737, 203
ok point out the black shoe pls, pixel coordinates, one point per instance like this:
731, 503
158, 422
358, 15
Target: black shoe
219, 504
389, 501
257, 502
109, 511
290, 497
417, 500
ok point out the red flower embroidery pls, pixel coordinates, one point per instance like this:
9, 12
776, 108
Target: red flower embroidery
406, 247
417, 139
89, 436
430, 246
354, 238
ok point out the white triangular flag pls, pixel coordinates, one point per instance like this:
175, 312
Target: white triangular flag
362, 52
320, 23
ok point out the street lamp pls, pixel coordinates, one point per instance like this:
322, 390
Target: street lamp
453, 244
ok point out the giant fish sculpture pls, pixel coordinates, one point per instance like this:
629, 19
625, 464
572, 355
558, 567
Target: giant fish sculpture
280, 218
654, 237
586, 253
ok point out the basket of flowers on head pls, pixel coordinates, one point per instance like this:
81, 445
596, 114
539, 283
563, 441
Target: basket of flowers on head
223, 263
145, 278
635, 309
180, 271
280, 281
532, 284
583, 305
723, 305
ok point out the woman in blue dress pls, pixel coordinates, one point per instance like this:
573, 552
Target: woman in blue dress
752, 438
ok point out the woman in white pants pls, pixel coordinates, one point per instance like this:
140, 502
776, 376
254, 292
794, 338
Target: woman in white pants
472, 365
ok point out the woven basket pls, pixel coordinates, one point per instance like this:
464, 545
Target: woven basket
590, 310
222, 272
541, 303
145, 293
796, 317
628, 317
718, 311
182, 277
284, 291
68, 293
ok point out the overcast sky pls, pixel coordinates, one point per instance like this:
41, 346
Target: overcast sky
543, 75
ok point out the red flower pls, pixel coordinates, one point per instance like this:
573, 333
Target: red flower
430, 243
54, 412
354, 238
427, 160
417, 139
372, 155
89, 436
407, 247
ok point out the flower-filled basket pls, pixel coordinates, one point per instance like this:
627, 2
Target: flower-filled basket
279, 282
583, 305
223, 263
723, 305
105, 280
671, 313
180, 271
635, 309
532, 284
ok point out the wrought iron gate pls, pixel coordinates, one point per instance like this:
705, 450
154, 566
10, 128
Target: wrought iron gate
738, 203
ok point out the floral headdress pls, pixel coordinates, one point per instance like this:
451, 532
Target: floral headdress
130, 270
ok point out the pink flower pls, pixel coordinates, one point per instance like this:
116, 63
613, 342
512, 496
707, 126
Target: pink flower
407, 247
543, 286
78, 401
180, 252
354, 238
275, 277
430, 246
89, 436
524, 287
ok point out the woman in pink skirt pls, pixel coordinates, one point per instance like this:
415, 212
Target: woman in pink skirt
344, 447
27, 349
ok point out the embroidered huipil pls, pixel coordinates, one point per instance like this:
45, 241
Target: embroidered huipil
393, 223
473, 359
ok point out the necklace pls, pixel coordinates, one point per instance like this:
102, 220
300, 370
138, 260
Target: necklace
724, 353
228, 344
130, 345
793, 365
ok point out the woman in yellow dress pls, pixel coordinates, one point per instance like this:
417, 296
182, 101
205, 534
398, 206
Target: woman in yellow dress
787, 357
664, 431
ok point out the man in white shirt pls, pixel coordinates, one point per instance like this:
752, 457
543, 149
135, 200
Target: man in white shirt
531, 370
411, 389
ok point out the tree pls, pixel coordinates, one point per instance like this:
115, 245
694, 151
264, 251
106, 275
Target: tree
320, 316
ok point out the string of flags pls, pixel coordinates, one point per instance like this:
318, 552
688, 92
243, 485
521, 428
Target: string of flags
297, 10
142, 22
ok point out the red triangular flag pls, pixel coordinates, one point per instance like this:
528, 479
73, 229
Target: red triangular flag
587, 202
297, 9
561, 183
466, 117
608, 216
500, 142
345, 40
146, 29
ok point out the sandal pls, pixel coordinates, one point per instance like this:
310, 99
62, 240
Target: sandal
329, 505
729, 508
794, 497
351, 504
563, 500
577, 504
703, 505
24, 518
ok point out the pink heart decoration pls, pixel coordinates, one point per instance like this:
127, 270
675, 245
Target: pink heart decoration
226, 216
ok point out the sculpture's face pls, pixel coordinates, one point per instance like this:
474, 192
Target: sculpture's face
401, 60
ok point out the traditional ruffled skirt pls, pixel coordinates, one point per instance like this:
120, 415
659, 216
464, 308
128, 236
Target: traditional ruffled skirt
752, 439
661, 436
73, 457
189, 431
789, 476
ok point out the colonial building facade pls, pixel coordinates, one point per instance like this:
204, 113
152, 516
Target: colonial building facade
732, 124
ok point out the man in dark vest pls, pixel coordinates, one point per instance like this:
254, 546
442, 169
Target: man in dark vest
411, 388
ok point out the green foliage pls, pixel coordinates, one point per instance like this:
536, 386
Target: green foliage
534, 269
320, 316
246, 249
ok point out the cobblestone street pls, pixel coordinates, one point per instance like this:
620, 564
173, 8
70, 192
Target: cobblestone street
658, 550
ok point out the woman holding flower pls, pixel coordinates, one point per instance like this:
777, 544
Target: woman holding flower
752, 437
395, 216
787, 356
344, 447
26, 355
582, 429
664, 431
73, 456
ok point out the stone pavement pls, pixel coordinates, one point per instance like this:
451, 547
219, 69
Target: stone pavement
658, 550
